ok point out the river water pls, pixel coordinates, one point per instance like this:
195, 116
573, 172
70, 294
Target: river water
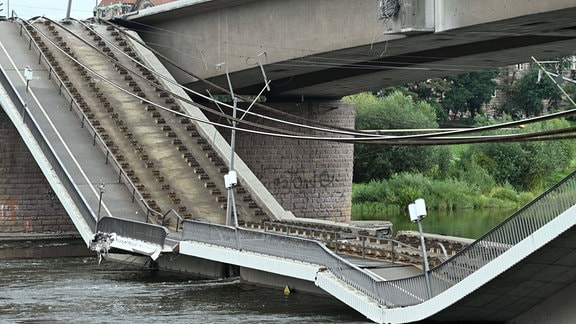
78, 290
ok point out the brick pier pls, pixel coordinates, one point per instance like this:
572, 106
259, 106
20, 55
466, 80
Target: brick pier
27, 203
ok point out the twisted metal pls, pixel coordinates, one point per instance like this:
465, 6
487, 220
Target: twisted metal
389, 8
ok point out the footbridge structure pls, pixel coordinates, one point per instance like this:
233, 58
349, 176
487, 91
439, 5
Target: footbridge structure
139, 169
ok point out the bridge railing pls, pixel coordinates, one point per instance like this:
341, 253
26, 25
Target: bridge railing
123, 177
140, 231
347, 242
48, 151
299, 249
407, 291
510, 232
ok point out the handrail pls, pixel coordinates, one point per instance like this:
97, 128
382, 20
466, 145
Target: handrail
122, 175
340, 238
282, 246
406, 291
57, 165
508, 233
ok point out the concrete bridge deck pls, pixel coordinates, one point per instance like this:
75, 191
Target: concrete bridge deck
64, 129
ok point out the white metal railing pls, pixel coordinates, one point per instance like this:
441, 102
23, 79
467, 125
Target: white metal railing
407, 291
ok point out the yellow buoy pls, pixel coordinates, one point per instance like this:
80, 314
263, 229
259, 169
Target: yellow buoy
521, 126
286, 291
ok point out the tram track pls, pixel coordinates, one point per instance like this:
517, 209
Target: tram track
172, 165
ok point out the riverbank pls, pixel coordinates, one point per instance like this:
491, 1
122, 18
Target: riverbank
42, 245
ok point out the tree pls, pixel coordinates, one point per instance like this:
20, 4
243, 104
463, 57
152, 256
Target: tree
431, 90
524, 165
395, 111
470, 91
529, 93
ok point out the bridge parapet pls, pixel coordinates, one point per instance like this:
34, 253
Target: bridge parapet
547, 208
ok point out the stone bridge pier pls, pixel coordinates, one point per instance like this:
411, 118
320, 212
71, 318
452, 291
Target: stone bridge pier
27, 203
310, 178
33, 222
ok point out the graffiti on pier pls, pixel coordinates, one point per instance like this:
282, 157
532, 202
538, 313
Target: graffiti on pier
8, 210
294, 179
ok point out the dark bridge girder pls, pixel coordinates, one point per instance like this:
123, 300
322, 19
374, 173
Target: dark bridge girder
299, 83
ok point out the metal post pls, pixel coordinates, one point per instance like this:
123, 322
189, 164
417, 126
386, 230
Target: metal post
233, 147
230, 178
417, 212
69, 9
101, 187
425, 261
28, 76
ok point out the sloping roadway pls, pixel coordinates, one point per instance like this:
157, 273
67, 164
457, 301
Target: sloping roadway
63, 129
170, 163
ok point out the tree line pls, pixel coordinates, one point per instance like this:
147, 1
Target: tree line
489, 170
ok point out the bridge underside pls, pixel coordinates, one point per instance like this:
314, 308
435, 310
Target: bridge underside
385, 56
522, 288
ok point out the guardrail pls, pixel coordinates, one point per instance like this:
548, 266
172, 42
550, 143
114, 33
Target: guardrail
132, 229
407, 291
341, 241
97, 139
510, 232
291, 248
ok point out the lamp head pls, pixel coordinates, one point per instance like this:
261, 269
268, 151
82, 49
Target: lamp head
28, 73
417, 210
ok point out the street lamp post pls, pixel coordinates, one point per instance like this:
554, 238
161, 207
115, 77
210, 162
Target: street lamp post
68, 11
417, 212
28, 76
230, 179
102, 189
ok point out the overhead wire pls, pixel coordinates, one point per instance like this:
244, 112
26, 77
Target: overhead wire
390, 140
326, 128
375, 139
143, 99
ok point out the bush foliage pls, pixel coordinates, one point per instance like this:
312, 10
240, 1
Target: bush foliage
488, 175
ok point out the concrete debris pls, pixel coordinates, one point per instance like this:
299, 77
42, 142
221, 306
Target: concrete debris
101, 244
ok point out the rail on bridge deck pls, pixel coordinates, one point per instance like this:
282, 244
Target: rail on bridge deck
137, 235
